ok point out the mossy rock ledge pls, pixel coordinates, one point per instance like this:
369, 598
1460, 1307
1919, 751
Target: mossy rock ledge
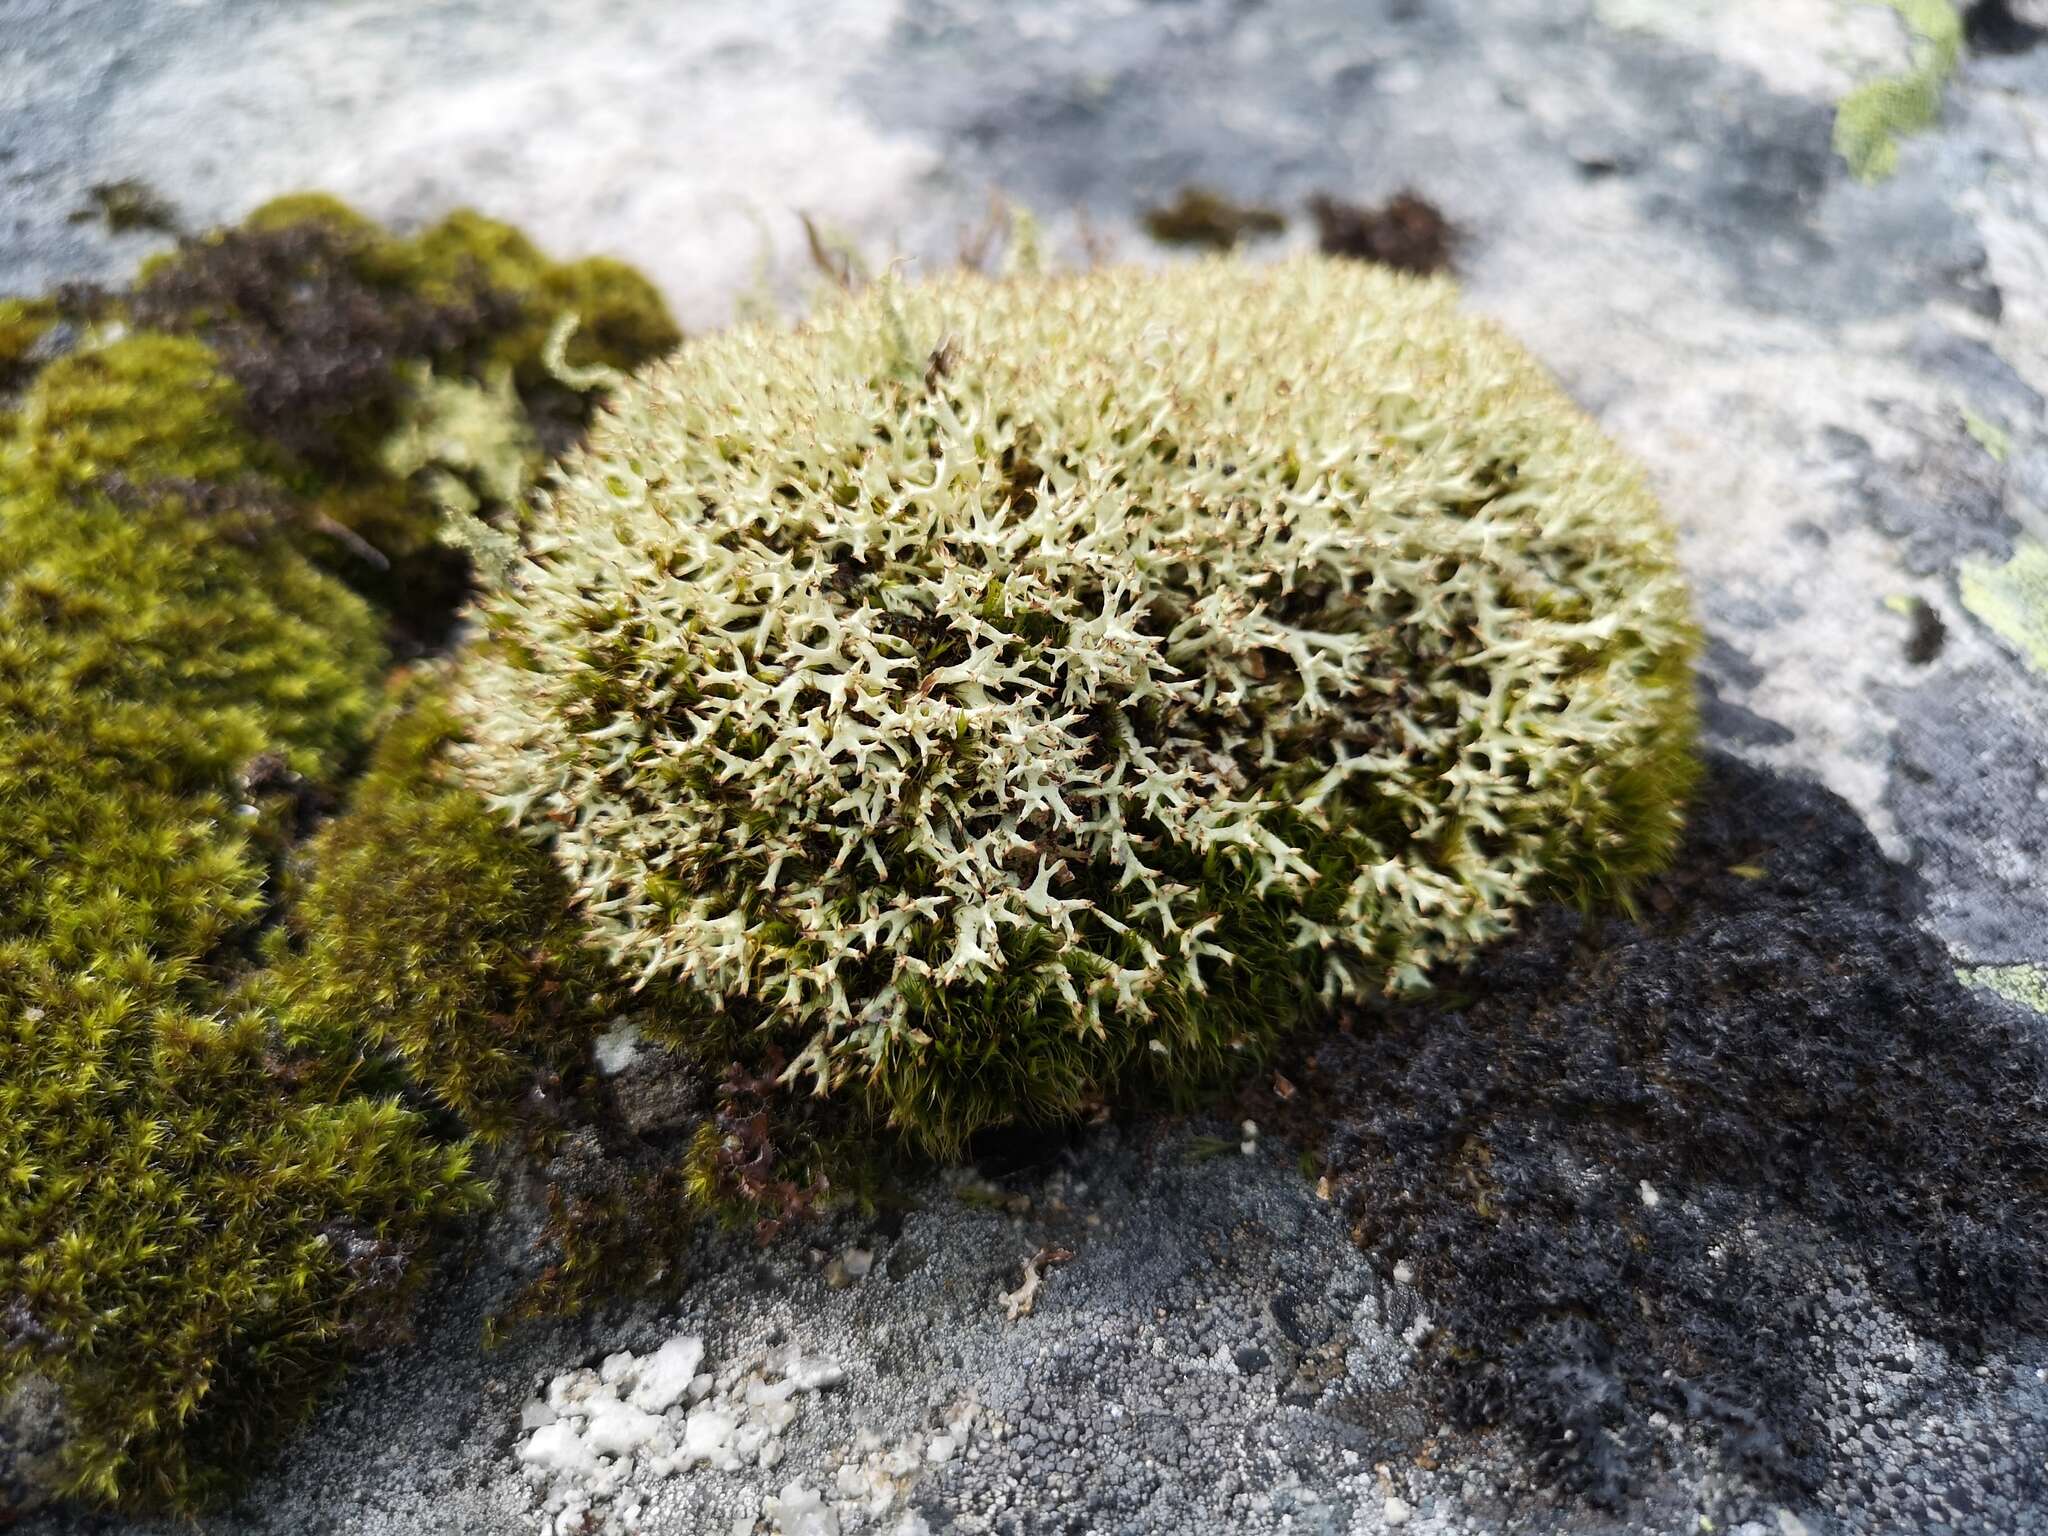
985, 703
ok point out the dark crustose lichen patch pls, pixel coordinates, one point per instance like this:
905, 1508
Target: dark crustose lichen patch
1626, 1163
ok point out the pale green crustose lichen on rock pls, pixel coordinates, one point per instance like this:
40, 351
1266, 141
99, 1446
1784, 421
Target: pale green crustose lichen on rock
992, 688
1988, 435
2012, 598
1873, 118
2024, 984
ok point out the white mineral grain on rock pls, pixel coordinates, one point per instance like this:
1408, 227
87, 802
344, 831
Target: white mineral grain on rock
800, 1510
617, 1048
622, 1430
665, 1375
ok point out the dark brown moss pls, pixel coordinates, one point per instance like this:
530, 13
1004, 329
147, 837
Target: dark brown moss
612, 1229
312, 318
623, 1205
127, 206
324, 321
1406, 232
1201, 217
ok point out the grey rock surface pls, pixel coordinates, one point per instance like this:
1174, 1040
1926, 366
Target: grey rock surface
1838, 389
32, 1434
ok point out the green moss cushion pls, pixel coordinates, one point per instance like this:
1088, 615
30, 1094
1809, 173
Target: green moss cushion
211, 1195
199, 1217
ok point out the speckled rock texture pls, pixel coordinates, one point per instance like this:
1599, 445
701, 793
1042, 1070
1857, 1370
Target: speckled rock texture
1838, 390
32, 1432
1720, 1173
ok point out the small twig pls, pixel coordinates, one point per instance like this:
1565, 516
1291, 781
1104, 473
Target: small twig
349, 539
1018, 1303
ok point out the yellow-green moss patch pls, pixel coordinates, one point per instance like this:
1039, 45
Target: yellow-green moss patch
201, 1215
432, 929
216, 505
